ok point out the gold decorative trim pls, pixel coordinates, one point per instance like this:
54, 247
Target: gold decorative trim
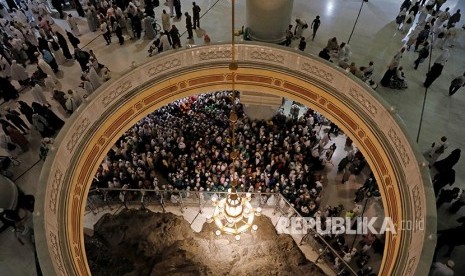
400, 146
110, 97
317, 71
77, 134
57, 180
56, 253
269, 56
363, 101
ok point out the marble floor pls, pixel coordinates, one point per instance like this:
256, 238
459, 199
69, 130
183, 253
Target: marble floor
375, 38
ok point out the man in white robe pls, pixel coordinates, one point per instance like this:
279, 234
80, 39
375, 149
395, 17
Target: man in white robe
72, 22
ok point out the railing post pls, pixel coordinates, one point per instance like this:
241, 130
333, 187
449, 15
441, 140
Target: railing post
91, 205
142, 200
181, 203
303, 238
105, 198
279, 198
200, 202
321, 254
162, 202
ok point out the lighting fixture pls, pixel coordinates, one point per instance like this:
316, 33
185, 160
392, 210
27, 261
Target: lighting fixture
234, 214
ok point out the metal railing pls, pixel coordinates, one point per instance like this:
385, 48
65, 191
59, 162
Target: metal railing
102, 199
316, 241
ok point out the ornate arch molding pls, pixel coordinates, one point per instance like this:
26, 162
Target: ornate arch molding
87, 137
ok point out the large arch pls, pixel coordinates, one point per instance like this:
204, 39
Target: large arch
375, 128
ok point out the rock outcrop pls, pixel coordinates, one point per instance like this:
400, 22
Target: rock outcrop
136, 242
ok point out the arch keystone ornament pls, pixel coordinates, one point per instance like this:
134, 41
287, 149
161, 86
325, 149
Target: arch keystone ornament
86, 138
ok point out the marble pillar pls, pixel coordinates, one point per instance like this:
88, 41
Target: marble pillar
268, 20
260, 106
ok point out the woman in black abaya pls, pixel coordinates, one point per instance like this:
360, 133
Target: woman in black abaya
7, 90
63, 45
26, 110
448, 162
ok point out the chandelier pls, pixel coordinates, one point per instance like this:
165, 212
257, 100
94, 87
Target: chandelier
234, 214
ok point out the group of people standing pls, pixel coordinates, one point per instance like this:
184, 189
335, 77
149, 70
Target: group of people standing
435, 29
30, 36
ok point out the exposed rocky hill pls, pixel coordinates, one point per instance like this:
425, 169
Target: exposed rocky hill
136, 242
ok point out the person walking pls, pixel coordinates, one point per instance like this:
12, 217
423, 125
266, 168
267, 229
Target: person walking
93, 77
105, 32
436, 69
41, 125
129, 30
73, 40
38, 95
45, 67
302, 44
86, 85
72, 22
289, 36
56, 51
148, 28
400, 18
170, 4
406, 5
165, 41
174, 33
392, 68
13, 117
48, 57
82, 58
70, 103
300, 26
443, 16
449, 37
415, 8
177, 8
442, 179
315, 25
196, 13
18, 73
189, 26
455, 84
437, 148
408, 22
448, 162
18, 138
92, 19
447, 195
423, 53
136, 25
422, 17
439, 4
119, 34
26, 110
454, 19
165, 21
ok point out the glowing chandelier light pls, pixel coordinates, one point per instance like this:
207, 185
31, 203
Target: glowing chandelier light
234, 214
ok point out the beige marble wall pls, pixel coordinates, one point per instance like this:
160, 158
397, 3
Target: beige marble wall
88, 135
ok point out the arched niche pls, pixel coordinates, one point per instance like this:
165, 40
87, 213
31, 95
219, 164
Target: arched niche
88, 135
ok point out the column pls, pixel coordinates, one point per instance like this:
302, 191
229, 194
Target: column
268, 20
260, 106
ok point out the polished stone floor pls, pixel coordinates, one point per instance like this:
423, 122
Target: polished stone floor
375, 38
